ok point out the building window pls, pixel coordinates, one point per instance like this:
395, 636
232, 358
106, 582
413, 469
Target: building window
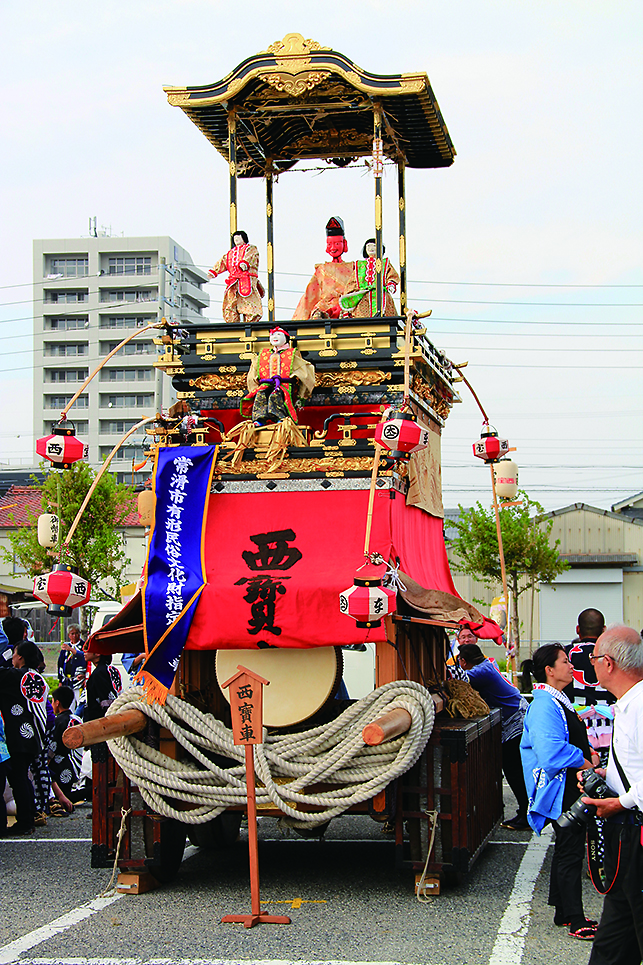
65, 298
60, 401
130, 265
126, 375
67, 324
125, 401
81, 426
65, 349
133, 295
70, 267
132, 348
66, 375
123, 321
115, 426
124, 454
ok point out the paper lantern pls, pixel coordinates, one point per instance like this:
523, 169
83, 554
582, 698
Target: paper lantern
61, 590
367, 601
62, 447
48, 529
489, 447
146, 503
401, 434
505, 473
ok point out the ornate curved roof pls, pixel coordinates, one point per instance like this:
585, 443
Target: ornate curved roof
299, 100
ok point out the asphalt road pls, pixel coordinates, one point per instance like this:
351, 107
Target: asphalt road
346, 901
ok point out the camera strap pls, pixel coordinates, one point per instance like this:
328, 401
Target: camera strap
621, 772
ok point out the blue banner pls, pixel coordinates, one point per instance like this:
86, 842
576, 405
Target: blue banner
175, 565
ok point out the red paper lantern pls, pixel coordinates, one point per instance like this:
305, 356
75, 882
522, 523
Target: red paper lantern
401, 434
62, 447
367, 601
61, 589
489, 447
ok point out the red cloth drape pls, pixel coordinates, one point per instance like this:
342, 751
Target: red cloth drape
281, 589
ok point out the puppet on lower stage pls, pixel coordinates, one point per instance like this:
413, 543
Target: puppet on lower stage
360, 296
243, 291
279, 380
321, 298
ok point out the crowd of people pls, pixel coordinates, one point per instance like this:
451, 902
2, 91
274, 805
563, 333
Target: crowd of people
601, 667
44, 775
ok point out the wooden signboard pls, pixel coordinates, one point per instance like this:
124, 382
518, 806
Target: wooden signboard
246, 702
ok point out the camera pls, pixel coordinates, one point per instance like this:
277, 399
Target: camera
579, 813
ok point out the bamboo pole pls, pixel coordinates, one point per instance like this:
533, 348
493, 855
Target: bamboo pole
139, 331
101, 472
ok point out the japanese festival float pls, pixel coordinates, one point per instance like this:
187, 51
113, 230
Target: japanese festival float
298, 511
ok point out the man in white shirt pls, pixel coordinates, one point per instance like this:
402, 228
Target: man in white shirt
618, 662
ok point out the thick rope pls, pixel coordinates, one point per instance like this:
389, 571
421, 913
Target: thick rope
333, 753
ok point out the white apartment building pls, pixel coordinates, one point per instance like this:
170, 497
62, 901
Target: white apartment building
89, 293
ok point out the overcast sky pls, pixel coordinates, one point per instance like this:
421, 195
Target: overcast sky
528, 249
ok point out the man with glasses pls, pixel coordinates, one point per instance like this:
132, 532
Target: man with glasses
617, 659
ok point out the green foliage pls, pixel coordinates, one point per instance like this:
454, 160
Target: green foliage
96, 548
529, 556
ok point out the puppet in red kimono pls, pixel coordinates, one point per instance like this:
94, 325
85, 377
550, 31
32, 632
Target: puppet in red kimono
360, 297
279, 380
243, 291
321, 298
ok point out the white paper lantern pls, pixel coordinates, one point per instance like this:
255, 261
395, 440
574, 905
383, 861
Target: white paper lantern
48, 529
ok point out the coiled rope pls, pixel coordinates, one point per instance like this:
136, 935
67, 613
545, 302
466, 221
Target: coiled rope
286, 764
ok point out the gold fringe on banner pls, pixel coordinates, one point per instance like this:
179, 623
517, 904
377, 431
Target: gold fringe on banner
155, 691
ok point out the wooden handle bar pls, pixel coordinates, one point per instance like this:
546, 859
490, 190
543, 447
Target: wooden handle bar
105, 728
389, 725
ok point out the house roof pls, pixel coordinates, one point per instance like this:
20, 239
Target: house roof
617, 507
23, 502
623, 518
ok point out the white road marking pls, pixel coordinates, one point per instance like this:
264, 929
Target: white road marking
192, 961
4, 841
510, 941
12, 951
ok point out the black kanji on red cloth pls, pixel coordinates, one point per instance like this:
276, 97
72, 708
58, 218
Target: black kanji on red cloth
33, 686
273, 551
261, 594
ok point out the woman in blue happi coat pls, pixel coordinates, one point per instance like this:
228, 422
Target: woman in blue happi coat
553, 748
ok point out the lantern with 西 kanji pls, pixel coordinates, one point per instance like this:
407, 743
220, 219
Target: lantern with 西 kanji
61, 590
62, 447
489, 447
401, 434
367, 601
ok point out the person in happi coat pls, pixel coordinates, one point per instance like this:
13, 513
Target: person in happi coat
279, 380
64, 762
27, 658
360, 297
243, 291
23, 746
328, 284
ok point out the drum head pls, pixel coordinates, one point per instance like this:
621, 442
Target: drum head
301, 681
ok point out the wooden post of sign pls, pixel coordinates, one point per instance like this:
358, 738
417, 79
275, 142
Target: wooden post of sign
246, 705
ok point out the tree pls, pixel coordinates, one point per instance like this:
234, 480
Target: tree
96, 548
529, 556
